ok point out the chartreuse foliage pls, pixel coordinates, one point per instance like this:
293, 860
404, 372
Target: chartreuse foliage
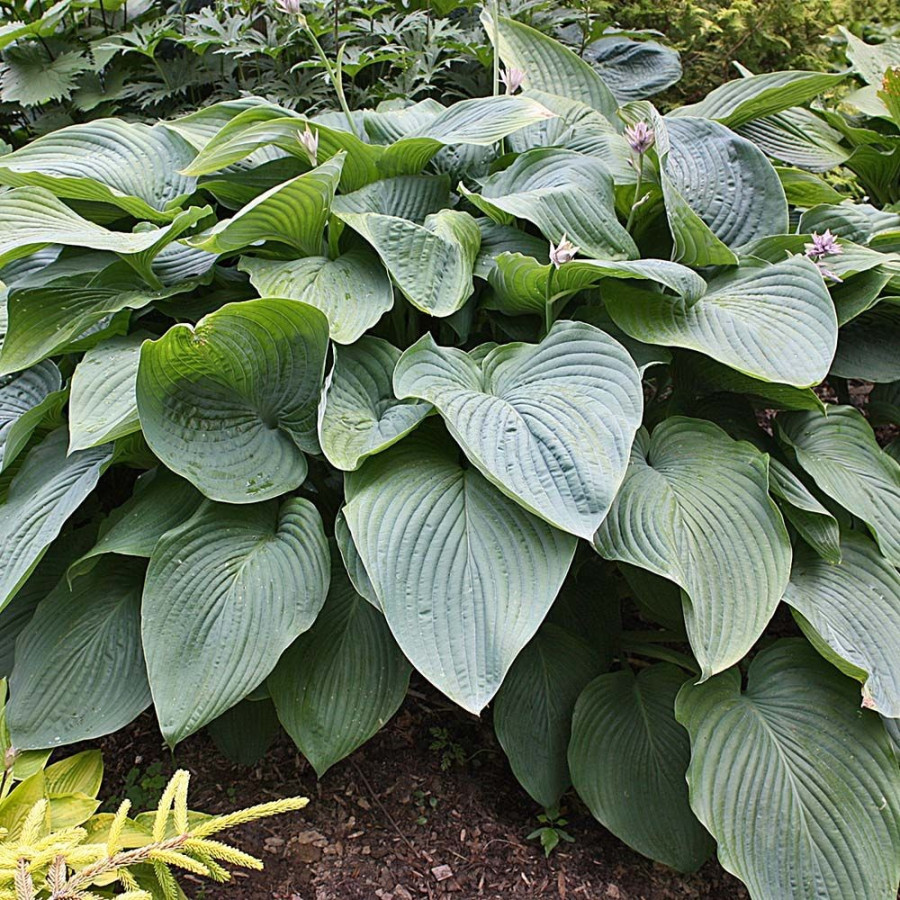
55, 845
485, 391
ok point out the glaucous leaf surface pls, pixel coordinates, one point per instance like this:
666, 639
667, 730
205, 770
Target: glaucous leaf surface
341, 681
563, 193
24, 401
359, 414
628, 758
464, 575
840, 453
695, 509
799, 788
353, 563
633, 69
551, 424
850, 611
226, 594
432, 263
771, 322
230, 404
353, 291
79, 670
45, 491
133, 166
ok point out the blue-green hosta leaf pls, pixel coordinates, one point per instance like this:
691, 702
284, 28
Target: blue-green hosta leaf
801, 138
726, 182
497, 239
817, 526
871, 60
32, 218
562, 193
128, 164
805, 189
47, 489
432, 263
799, 788
869, 346
548, 65
520, 282
231, 403
353, 563
226, 594
293, 213
341, 681
161, 501
850, 612
628, 756
551, 424
772, 322
359, 414
464, 574
695, 509
841, 454
102, 405
533, 709
353, 291
857, 222
24, 401
412, 197
45, 320
632, 69
878, 172
79, 670
744, 99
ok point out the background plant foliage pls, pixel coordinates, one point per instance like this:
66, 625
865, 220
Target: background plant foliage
294, 402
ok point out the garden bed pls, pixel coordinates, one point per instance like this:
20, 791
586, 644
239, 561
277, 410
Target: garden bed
361, 837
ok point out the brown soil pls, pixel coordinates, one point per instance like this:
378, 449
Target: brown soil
392, 823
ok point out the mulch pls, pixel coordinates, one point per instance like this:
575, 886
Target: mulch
400, 820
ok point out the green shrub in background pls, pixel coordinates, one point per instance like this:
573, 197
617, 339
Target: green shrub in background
529, 392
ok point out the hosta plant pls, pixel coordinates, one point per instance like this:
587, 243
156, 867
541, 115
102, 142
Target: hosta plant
546, 395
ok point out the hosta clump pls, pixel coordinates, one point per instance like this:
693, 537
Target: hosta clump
532, 393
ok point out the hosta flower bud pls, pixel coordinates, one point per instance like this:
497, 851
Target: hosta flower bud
563, 252
640, 137
310, 142
291, 7
513, 79
823, 245
10, 757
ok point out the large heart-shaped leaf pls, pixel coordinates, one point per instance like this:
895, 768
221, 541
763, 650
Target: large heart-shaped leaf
771, 322
628, 757
464, 574
292, 213
79, 670
563, 193
32, 217
523, 285
632, 69
48, 488
102, 405
226, 594
359, 414
353, 291
799, 788
24, 401
547, 64
47, 319
533, 709
841, 454
412, 197
231, 403
723, 180
341, 681
353, 563
850, 611
431, 263
550, 424
128, 164
161, 501
799, 137
695, 509
743, 99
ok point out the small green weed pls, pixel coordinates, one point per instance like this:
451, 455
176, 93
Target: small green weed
551, 831
452, 752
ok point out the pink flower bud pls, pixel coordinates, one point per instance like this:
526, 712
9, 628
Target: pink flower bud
309, 140
513, 79
563, 252
640, 137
